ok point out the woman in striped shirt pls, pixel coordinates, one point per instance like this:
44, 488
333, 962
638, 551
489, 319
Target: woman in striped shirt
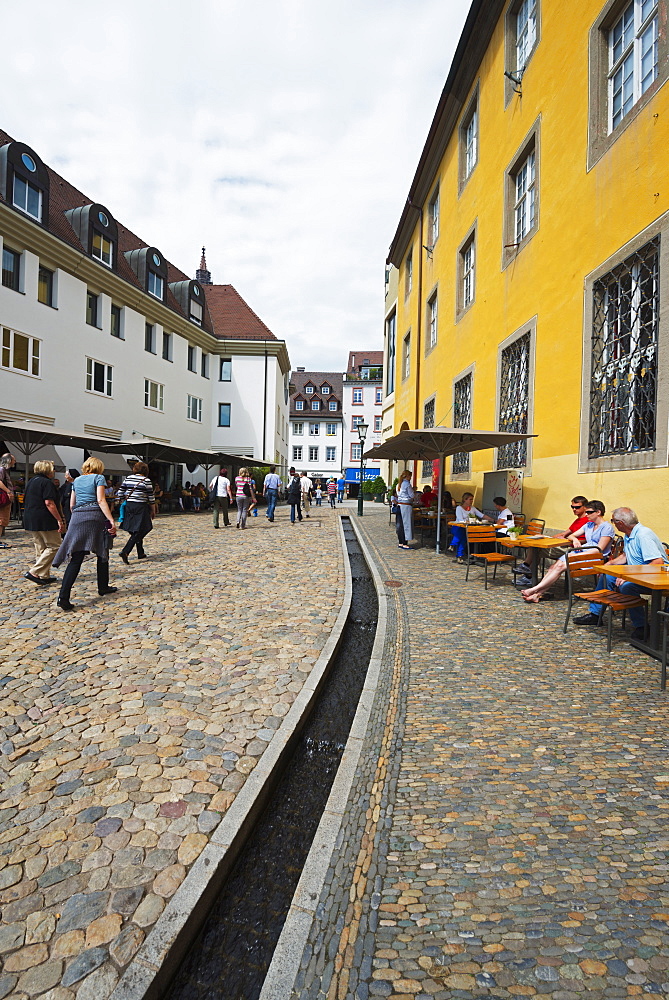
140, 509
244, 494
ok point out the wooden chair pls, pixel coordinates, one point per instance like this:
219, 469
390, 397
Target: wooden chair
518, 520
535, 526
478, 534
580, 563
663, 674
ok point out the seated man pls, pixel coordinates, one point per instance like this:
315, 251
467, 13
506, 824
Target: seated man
642, 548
428, 497
577, 527
504, 519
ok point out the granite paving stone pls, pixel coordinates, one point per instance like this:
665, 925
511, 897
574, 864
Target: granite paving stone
128, 727
506, 830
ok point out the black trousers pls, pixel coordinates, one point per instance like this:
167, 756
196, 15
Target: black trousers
136, 538
72, 572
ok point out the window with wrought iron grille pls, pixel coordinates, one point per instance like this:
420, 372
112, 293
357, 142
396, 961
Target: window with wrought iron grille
633, 57
462, 417
428, 421
625, 328
514, 400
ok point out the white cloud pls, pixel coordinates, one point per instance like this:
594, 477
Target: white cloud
282, 134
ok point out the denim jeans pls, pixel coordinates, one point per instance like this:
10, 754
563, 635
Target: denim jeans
271, 503
295, 507
637, 615
459, 540
340, 496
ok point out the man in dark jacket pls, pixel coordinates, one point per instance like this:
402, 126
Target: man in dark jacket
43, 519
294, 497
66, 493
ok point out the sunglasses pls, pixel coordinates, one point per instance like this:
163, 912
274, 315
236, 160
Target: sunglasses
592, 512
577, 506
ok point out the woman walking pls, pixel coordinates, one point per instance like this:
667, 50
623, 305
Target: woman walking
7, 462
140, 509
294, 497
405, 495
90, 529
332, 491
244, 494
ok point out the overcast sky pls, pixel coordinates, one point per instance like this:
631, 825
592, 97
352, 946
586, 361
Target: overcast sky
281, 134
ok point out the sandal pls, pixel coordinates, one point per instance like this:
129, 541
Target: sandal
4, 545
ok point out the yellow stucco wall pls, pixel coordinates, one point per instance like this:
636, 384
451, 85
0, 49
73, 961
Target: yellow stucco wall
584, 218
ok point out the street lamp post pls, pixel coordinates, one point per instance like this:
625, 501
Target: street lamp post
362, 434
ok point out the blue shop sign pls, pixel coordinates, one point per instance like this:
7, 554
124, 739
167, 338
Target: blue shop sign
353, 475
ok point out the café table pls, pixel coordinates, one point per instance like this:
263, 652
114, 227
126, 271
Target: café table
536, 544
655, 579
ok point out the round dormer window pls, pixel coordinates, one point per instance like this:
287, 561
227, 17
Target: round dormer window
196, 290
156, 260
28, 162
103, 219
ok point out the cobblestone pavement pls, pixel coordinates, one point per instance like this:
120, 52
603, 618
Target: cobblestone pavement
128, 727
507, 828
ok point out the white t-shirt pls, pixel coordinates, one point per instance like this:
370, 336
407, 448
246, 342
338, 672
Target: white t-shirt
223, 486
305, 484
504, 520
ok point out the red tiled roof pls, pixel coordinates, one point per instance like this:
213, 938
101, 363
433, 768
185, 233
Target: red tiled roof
232, 317
64, 196
358, 359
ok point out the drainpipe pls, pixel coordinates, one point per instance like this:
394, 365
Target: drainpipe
419, 322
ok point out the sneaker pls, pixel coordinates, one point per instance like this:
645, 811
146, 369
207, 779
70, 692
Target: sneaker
521, 569
523, 581
588, 619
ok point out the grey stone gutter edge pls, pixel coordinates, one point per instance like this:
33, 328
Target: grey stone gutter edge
285, 964
149, 974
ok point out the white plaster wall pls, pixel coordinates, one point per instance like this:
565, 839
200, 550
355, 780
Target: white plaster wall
369, 410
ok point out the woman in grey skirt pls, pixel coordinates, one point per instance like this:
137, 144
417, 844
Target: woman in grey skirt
90, 529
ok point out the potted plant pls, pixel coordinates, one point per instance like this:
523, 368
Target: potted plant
378, 489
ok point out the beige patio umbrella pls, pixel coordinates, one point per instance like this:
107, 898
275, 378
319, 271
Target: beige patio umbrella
439, 442
28, 437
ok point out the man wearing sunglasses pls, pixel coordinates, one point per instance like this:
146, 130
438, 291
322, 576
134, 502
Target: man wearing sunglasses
577, 527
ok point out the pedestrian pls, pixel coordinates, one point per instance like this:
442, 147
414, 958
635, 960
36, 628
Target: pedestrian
341, 485
294, 497
91, 529
306, 486
7, 462
244, 494
139, 511
65, 492
397, 511
332, 491
318, 493
405, 495
43, 518
219, 490
271, 491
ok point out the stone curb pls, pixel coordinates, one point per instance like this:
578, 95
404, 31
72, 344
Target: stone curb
148, 975
288, 953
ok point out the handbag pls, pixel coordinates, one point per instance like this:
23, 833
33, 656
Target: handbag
121, 513
4, 498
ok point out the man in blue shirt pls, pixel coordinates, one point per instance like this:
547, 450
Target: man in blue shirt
271, 491
341, 484
642, 548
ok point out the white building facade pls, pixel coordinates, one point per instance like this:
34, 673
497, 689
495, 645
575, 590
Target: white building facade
363, 403
316, 423
101, 334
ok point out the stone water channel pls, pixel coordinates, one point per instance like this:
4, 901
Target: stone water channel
230, 957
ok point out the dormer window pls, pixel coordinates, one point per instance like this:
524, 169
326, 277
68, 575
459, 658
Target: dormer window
97, 232
325, 390
154, 282
309, 389
195, 308
299, 404
151, 268
102, 249
24, 181
190, 296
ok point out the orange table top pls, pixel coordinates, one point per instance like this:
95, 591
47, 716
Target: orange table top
653, 577
534, 541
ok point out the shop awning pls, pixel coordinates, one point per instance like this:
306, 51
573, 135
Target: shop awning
26, 438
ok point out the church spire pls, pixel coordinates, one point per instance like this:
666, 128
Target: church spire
202, 274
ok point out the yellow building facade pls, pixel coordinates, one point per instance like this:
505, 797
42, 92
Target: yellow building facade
533, 255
